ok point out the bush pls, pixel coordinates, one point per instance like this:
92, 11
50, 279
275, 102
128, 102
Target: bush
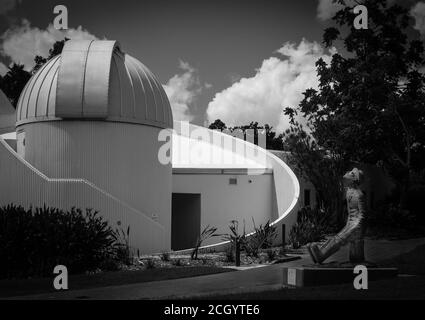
230, 254
262, 238
389, 215
165, 256
34, 241
207, 232
414, 203
177, 262
122, 251
311, 226
150, 263
271, 255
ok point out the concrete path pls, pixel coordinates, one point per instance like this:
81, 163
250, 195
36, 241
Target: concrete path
252, 280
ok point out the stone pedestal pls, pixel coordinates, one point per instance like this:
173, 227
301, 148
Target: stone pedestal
357, 251
331, 274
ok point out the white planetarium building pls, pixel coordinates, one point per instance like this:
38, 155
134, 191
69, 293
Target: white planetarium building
94, 128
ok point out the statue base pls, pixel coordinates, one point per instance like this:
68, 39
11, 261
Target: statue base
332, 273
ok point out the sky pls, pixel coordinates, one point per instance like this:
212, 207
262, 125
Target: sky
236, 60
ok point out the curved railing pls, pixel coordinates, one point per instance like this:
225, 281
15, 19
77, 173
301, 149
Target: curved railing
286, 184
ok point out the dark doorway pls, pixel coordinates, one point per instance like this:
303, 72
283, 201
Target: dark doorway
185, 220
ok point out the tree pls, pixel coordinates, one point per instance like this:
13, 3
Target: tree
274, 141
217, 125
370, 103
322, 168
14, 81
53, 52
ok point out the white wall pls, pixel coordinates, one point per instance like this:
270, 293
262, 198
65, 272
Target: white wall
285, 188
119, 158
22, 184
221, 202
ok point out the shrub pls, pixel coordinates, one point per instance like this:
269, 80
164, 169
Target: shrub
177, 262
34, 241
282, 251
311, 226
122, 250
236, 239
414, 203
262, 238
165, 256
207, 233
388, 217
271, 255
150, 263
230, 255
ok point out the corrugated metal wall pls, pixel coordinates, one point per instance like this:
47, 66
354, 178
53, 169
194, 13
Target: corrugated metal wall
21, 183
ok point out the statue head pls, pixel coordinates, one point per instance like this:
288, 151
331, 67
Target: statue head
353, 177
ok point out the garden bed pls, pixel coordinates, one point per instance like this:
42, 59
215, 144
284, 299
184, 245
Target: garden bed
145, 268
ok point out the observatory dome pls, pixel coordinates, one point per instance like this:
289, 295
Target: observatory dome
94, 80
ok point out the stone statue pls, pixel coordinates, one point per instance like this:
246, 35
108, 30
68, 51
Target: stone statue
353, 231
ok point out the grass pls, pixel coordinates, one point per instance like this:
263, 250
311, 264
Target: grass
10, 288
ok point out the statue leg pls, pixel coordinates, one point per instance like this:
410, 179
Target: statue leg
334, 244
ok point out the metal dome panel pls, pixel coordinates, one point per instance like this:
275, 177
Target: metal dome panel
94, 80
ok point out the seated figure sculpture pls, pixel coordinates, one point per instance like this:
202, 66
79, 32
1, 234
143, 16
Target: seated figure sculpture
353, 231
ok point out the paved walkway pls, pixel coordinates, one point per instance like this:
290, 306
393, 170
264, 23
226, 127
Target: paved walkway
252, 280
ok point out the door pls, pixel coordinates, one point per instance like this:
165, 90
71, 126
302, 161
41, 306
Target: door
185, 220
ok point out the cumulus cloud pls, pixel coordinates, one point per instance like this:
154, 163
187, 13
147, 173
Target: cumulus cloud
8, 5
182, 91
278, 83
22, 43
418, 12
326, 9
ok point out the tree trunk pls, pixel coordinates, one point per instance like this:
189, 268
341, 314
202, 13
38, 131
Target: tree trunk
237, 253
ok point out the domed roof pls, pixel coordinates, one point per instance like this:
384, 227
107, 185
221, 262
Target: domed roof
94, 80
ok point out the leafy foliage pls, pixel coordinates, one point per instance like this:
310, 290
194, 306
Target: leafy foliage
14, 81
230, 254
34, 241
324, 169
122, 248
177, 262
237, 240
311, 226
53, 52
165, 256
274, 141
271, 255
217, 125
207, 232
262, 238
150, 263
370, 103
234, 236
